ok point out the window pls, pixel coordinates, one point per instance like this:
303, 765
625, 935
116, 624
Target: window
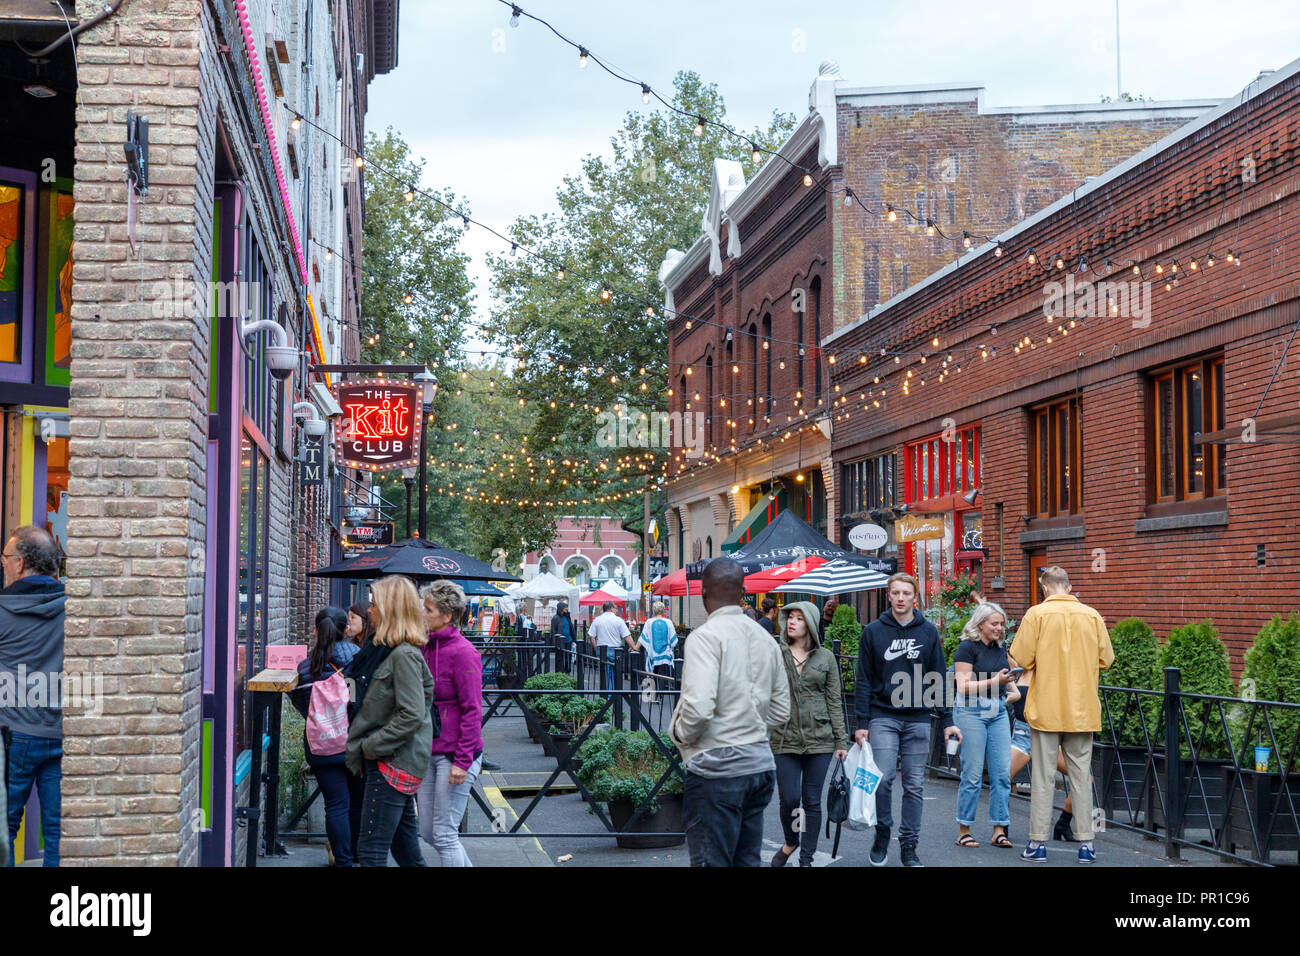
867, 484
254, 521
767, 355
1186, 401
816, 351
708, 384
947, 464
1055, 459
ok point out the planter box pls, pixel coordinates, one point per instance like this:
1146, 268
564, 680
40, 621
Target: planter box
1205, 805
1123, 782
667, 818
1266, 806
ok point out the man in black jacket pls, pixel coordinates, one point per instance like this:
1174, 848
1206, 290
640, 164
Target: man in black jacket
902, 675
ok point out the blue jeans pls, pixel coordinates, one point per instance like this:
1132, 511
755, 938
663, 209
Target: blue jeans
35, 761
387, 822
893, 740
442, 806
607, 655
724, 818
985, 737
333, 782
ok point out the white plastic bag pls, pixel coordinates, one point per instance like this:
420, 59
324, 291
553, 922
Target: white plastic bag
864, 778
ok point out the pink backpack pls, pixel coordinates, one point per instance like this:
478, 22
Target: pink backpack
327, 716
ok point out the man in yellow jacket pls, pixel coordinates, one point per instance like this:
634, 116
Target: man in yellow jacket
1065, 643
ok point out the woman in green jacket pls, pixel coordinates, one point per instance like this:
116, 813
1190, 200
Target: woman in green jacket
392, 735
814, 733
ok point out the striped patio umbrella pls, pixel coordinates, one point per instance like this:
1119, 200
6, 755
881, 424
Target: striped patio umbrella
835, 577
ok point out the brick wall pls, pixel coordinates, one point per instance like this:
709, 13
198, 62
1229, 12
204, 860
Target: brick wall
1180, 204
138, 395
966, 169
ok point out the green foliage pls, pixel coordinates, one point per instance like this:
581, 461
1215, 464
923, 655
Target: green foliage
1272, 672
293, 758
550, 680
625, 765
569, 713
1137, 665
1202, 659
845, 628
951, 609
616, 221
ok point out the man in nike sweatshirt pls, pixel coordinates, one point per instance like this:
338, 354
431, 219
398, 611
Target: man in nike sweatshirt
902, 676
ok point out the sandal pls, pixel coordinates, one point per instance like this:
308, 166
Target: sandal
1000, 840
967, 840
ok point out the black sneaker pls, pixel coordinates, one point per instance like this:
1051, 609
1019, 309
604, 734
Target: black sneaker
488, 766
880, 849
907, 855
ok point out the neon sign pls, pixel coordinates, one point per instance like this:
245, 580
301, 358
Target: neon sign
379, 430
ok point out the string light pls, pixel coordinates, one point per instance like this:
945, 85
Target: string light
582, 57
699, 126
645, 93
891, 216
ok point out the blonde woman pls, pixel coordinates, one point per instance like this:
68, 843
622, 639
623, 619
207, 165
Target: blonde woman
985, 687
392, 735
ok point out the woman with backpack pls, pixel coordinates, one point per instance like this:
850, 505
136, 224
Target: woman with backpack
392, 735
457, 754
321, 697
815, 732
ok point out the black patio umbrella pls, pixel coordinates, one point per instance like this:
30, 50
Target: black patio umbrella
787, 539
415, 558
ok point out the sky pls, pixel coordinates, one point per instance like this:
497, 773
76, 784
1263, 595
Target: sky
502, 114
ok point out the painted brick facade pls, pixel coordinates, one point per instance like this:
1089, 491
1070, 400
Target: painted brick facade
1168, 563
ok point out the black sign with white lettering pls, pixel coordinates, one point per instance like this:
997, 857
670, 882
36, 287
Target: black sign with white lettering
312, 462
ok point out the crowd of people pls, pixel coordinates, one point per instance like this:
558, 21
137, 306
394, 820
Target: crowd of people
757, 716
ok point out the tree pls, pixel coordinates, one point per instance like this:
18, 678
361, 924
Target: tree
587, 355
412, 248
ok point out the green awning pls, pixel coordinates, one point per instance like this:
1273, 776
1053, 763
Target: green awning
752, 524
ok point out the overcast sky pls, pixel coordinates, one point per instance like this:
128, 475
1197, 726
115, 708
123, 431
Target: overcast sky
501, 114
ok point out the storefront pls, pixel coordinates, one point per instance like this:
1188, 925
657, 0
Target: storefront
940, 534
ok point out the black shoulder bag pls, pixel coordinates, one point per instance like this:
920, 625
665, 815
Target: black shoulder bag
837, 803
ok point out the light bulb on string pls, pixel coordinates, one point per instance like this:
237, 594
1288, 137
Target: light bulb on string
645, 93
699, 126
891, 215
848, 196
409, 195
514, 15
582, 57
807, 179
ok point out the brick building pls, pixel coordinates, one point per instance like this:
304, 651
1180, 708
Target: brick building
1110, 390
588, 552
141, 423
781, 263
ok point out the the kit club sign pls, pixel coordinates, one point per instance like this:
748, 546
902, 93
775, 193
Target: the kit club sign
379, 429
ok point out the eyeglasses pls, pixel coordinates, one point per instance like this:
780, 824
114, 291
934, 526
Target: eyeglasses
9, 557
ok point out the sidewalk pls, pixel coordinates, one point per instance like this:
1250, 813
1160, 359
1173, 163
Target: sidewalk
525, 768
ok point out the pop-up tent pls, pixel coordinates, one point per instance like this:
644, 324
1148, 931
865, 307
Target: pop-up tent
544, 587
786, 540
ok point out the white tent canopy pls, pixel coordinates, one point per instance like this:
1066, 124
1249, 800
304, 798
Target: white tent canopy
545, 586
615, 590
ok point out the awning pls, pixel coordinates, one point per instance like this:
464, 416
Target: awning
752, 524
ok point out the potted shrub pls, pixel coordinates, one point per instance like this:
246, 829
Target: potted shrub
1202, 659
1259, 809
563, 718
551, 680
1119, 756
620, 768
844, 627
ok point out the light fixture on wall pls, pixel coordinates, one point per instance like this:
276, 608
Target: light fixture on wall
970, 496
281, 358
315, 426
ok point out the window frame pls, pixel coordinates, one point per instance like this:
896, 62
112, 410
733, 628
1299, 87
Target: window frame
1046, 417
1210, 375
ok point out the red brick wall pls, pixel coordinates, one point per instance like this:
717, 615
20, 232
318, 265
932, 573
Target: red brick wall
1182, 203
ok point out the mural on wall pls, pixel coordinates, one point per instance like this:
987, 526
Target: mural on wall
11, 263
58, 293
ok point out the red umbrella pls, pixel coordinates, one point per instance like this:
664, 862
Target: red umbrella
760, 582
599, 597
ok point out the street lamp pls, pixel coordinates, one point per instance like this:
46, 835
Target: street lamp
408, 476
429, 390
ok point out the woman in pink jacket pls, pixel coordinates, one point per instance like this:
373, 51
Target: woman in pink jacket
457, 669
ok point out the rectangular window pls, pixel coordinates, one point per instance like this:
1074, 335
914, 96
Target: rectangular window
868, 484
1187, 401
1055, 456
944, 465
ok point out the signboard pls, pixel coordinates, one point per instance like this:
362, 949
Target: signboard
367, 533
379, 429
312, 471
868, 537
913, 528
285, 657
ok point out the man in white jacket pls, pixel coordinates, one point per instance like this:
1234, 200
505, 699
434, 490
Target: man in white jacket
734, 691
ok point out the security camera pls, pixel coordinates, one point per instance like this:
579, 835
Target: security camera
281, 358
314, 426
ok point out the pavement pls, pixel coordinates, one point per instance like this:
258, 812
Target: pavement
508, 794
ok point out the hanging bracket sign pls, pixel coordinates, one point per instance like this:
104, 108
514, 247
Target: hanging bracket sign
379, 429
868, 537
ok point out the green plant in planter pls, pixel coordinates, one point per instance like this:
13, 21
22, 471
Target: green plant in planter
1272, 672
1137, 664
844, 627
293, 758
570, 714
550, 680
625, 765
1202, 660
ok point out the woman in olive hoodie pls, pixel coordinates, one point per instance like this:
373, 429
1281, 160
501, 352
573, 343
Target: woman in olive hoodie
815, 732
392, 735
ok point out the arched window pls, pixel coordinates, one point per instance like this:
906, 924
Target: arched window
708, 413
767, 363
708, 546
798, 336
578, 570
753, 374
546, 565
